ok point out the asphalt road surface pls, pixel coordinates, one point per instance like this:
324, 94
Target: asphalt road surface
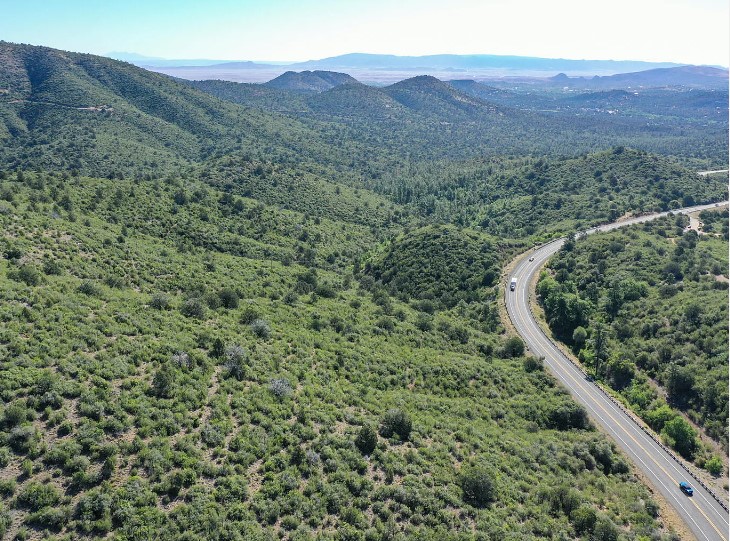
705, 173
702, 514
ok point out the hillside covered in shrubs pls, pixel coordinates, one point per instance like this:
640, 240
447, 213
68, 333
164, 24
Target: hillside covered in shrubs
179, 363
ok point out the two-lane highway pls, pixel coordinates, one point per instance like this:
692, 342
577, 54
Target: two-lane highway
703, 515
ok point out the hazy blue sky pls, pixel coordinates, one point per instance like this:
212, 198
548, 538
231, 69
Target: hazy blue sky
690, 31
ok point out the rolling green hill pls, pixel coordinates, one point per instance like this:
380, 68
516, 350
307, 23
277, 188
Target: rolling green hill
310, 81
428, 95
179, 362
74, 111
463, 118
441, 264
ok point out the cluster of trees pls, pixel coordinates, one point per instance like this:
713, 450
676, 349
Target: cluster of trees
441, 265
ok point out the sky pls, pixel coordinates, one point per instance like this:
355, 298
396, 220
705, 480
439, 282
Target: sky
685, 31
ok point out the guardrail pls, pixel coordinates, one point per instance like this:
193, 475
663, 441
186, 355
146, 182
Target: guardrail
648, 431
630, 414
653, 435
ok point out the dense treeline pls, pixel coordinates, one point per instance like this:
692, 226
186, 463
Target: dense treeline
521, 197
432, 150
647, 305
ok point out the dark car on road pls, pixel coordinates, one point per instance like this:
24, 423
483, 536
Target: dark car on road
684, 487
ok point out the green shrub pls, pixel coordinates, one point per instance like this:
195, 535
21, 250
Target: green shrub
583, 519
236, 361
212, 435
477, 486
94, 512
366, 440
52, 267
326, 291
398, 422
249, 315
385, 323
23, 439
714, 465
579, 336
228, 298
163, 382
280, 388
680, 435
115, 281
424, 322
160, 301
260, 328
532, 364
51, 518
231, 489
16, 414
182, 360
605, 530
28, 274
7, 487
568, 415
89, 288
514, 347
562, 500
193, 308
35, 495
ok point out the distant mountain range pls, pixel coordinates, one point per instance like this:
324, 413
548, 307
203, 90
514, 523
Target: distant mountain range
681, 76
155, 61
388, 69
477, 61
429, 62
697, 76
158, 62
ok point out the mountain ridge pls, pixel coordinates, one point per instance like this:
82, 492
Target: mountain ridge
689, 76
310, 81
383, 69
472, 61
443, 61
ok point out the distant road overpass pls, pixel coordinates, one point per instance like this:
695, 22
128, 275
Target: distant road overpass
705, 513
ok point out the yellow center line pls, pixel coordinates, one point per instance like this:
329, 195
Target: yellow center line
581, 385
707, 518
617, 435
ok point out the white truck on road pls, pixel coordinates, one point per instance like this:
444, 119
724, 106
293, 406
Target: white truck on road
513, 284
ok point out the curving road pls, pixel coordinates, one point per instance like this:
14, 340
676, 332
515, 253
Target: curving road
705, 173
702, 513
